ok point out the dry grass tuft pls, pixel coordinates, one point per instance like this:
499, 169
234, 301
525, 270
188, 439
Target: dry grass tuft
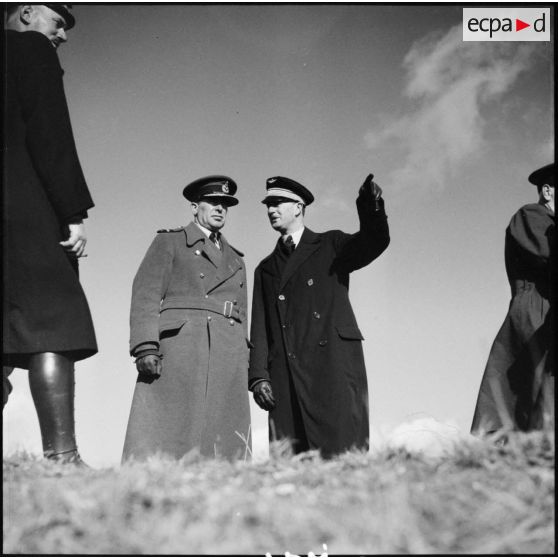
481, 499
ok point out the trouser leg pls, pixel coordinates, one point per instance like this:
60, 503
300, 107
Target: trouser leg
51, 379
299, 440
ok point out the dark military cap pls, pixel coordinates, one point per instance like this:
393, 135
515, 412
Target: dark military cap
213, 187
542, 176
64, 11
281, 187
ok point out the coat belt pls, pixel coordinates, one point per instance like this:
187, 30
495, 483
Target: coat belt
228, 308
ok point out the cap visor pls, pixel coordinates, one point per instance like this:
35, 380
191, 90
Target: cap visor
280, 199
225, 200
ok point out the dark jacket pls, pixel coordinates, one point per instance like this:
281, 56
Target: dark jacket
45, 308
305, 338
179, 303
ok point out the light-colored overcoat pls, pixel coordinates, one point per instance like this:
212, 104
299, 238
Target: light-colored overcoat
190, 297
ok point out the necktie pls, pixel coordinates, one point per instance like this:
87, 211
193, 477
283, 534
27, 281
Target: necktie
214, 237
289, 245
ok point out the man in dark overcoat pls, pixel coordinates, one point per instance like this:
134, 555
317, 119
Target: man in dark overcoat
47, 325
306, 360
189, 337
517, 388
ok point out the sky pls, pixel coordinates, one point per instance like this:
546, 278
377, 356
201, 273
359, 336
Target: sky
160, 95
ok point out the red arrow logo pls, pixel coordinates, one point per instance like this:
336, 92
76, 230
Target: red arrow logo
519, 25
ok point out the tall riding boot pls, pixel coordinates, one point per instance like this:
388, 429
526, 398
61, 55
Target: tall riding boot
51, 379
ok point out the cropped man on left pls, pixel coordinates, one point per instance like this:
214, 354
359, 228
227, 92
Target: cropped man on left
47, 324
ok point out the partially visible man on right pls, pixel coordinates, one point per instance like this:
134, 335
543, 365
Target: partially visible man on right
517, 389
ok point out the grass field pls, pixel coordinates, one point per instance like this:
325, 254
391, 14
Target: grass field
479, 499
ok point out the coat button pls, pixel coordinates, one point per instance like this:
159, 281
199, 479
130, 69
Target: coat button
281, 297
241, 284
202, 275
284, 326
316, 315
310, 282
235, 302
206, 296
292, 355
208, 318
197, 252
231, 322
323, 343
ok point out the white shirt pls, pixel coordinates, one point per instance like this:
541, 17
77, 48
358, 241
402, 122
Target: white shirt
295, 236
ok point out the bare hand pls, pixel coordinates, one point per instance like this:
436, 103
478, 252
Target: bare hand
263, 396
150, 365
77, 239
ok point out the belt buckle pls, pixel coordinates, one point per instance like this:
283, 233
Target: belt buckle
228, 309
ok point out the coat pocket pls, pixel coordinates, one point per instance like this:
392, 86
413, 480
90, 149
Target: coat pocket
170, 329
171, 322
349, 332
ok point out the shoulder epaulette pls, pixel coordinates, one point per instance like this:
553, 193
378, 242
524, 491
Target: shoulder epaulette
178, 229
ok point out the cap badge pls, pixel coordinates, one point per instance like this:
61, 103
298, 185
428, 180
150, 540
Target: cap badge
225, 188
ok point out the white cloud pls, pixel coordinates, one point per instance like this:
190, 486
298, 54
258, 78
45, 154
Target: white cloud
448, 82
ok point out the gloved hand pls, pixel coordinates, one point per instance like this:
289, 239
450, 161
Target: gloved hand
263, 396
368, 200
369, 190
150, 365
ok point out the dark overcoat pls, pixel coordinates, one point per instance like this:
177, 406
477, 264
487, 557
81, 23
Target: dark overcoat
306, 341
190, 299
517, 388
45, 308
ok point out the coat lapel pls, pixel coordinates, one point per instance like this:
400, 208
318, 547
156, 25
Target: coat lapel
309, 243
194, 234
229, 265
267, 265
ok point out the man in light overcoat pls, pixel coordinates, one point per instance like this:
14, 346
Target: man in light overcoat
306, 360
189, 337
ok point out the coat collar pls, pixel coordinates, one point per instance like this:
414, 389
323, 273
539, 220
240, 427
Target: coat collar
193, 234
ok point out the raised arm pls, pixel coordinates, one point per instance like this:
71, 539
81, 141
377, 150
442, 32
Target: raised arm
358, 250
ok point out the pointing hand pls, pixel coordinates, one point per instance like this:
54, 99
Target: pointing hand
369, 190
